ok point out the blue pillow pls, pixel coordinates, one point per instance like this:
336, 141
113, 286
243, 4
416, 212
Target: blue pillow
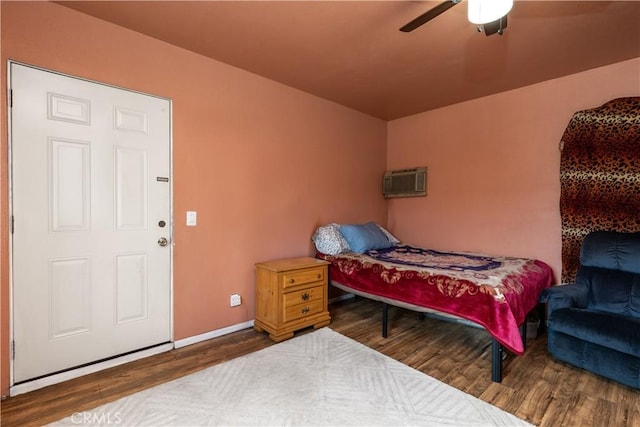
364, 237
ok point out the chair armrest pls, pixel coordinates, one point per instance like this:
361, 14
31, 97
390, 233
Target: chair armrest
565, 296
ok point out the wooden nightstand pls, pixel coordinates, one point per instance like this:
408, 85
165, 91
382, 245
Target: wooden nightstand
291, 294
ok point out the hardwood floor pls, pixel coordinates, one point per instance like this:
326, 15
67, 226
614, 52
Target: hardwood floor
535, 388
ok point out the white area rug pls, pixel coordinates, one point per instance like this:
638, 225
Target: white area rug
317, 379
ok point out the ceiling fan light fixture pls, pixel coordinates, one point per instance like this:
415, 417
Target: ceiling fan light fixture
485, 11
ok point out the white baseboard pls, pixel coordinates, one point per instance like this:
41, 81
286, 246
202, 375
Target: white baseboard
234, 328
213, 334
341, 298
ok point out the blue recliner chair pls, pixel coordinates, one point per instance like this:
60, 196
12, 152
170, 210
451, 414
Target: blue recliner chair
594, 323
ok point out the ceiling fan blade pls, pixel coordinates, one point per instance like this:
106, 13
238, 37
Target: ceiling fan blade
429, 15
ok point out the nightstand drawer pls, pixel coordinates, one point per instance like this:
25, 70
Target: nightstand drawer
304, 296
302, 310
300, 277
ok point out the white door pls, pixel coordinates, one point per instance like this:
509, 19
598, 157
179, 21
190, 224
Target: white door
90, 197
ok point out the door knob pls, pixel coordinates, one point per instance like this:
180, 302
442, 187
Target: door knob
162, 241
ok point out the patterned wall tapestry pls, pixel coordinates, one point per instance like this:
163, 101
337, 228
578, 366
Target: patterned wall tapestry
599, 175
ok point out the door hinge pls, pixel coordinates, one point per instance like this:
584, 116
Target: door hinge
12, 224
10, 98
13, 350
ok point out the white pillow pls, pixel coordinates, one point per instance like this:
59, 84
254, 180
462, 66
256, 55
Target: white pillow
390, 236
329, 240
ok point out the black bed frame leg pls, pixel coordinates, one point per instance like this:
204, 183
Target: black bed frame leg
496, 361
385, 318
523, 334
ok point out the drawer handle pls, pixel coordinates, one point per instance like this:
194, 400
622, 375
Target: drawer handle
292, 280
319, 276
304, 296
304, 310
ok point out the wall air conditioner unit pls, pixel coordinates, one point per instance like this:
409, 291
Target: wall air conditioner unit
405, 183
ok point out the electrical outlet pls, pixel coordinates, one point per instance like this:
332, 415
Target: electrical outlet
192, 218
235, 300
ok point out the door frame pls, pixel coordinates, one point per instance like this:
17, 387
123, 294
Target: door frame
110, 362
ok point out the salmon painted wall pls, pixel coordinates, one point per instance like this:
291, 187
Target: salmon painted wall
494, 165
263, 164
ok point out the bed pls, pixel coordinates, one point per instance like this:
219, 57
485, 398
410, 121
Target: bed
492, 292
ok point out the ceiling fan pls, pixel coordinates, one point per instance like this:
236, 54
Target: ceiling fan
489, 15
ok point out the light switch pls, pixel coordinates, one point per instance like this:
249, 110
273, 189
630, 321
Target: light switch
192, 218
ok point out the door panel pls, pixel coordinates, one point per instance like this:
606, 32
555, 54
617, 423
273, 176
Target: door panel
131, 189
89, 279
70, 309
69, 172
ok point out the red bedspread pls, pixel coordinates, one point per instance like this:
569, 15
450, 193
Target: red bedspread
495, 292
